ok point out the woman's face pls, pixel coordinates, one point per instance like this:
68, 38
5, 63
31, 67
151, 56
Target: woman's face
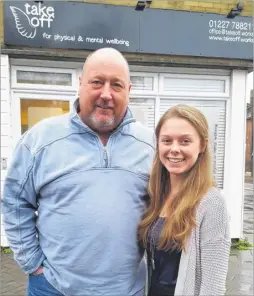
179, 145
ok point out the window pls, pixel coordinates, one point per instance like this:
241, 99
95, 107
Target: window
33, 111
194, 85
44, 78
201, 85
144, 83
143, 111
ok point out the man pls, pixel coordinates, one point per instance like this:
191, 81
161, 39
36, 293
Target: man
85, 176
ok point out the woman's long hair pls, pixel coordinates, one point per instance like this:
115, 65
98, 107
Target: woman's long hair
181, 209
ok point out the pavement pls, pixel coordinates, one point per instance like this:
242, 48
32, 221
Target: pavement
239, 279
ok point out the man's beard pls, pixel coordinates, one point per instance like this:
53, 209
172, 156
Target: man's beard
108, 124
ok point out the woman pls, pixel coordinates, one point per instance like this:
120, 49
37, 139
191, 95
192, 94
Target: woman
186, 228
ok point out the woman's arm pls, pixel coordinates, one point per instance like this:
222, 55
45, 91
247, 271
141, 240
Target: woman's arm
215, 245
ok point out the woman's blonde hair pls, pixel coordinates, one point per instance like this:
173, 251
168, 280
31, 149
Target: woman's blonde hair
181, 209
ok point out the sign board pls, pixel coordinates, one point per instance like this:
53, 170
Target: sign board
75, 25
196, 34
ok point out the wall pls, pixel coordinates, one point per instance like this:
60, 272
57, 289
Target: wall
5, 123
210, 6
235, 151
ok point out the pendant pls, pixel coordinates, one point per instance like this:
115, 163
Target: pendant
153, 264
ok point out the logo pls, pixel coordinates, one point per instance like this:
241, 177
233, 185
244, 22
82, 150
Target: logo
34, 16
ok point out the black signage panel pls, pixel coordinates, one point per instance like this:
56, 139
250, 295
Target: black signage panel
196, 34
73, 25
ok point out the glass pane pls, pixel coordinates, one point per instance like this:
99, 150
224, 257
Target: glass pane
142, 83
48, 78
33, 111
143, 110
194, 85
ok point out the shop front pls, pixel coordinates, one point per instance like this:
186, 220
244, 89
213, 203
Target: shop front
43, 57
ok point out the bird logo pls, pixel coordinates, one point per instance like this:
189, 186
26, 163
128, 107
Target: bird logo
31, 17
23, 23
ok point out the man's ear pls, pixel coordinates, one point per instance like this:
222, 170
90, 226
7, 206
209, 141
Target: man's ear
130, 85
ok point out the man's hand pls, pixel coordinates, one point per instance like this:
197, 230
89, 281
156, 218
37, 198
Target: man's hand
38, 271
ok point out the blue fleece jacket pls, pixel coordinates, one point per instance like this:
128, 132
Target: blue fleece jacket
73, 205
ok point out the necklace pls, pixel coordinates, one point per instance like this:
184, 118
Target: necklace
154, 238
153, 244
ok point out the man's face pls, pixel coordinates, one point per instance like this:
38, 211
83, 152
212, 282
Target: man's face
104, 93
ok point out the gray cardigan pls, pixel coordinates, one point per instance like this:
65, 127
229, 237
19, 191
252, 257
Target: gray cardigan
203, 267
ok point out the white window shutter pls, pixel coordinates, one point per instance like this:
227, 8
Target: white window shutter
143, 110
145, 83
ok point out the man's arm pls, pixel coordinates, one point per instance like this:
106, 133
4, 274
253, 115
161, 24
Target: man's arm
19, 206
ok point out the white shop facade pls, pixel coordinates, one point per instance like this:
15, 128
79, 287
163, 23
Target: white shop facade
32, 90
37, 86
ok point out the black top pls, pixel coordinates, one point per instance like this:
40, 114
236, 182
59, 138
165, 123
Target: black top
166, 263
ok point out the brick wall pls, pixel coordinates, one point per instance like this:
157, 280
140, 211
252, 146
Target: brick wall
209, 6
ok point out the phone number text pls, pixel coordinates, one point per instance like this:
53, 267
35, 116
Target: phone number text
230, 25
